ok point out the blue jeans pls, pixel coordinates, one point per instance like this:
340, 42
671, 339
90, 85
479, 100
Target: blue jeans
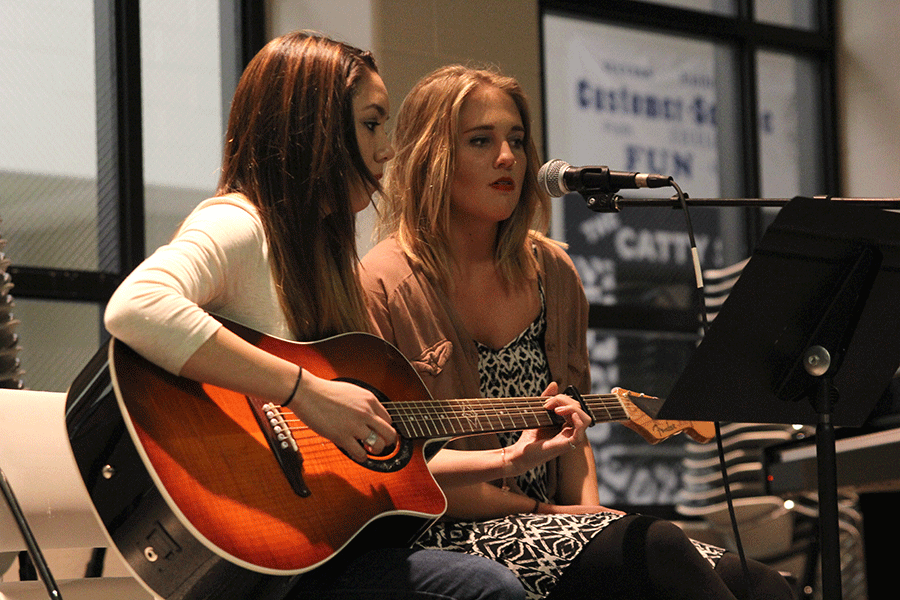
406, 574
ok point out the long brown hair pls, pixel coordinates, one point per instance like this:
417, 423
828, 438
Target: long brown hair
416, 199
291, 149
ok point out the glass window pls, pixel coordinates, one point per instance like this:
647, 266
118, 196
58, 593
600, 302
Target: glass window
48, 158
789, 13
638, 101
181, 85
48, 178
728, 7
57, 340
790, 137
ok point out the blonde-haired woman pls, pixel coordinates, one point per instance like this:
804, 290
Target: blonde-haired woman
469, 288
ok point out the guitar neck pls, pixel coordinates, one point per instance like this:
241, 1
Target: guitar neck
431, 419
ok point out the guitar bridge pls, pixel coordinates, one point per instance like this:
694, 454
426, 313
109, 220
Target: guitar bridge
282, 443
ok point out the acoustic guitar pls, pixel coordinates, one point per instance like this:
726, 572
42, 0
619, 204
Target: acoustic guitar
208, 493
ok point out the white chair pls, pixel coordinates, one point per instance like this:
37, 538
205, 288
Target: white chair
39, 465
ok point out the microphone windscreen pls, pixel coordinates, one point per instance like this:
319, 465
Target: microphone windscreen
550, 177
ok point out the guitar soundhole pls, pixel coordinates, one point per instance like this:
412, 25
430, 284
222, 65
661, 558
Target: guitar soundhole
386, 452
392, 458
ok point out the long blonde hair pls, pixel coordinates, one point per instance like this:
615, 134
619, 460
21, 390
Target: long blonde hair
416, 200
291, 149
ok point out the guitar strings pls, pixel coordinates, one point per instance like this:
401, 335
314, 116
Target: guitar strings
442, 418
488, 407
430, 418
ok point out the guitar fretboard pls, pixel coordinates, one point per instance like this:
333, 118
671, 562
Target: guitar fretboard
446, 418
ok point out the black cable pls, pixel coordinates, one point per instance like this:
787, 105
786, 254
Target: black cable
698, 273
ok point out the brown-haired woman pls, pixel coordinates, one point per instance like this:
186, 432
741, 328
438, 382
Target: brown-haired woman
275, 250
483, 304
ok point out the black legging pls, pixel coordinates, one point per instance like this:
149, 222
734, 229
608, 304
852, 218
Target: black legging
644, 558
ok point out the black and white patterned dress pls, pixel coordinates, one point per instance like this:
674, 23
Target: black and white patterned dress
537, 548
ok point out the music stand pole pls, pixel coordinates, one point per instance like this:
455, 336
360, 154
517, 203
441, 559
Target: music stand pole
829, 528
817, 362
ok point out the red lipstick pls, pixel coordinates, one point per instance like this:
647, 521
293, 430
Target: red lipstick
504, 184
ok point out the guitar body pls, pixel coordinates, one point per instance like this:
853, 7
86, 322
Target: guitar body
192, 495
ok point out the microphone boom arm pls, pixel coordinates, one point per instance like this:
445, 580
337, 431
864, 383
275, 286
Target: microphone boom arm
603, 201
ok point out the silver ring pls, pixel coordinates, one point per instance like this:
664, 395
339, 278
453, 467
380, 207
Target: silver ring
370, 441
572, 446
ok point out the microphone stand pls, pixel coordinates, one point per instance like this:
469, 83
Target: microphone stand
611, 201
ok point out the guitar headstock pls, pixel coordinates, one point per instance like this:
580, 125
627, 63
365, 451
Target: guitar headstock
655, 430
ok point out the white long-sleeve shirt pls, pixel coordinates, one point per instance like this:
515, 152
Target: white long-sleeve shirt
216, 263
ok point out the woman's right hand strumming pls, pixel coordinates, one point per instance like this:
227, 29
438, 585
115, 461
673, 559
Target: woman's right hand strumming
344, 413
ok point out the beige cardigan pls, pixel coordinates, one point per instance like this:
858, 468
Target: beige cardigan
417, 317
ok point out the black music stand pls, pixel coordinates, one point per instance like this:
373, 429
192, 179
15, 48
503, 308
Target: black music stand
809, 334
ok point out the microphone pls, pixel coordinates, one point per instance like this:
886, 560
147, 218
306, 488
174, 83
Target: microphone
558, 177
